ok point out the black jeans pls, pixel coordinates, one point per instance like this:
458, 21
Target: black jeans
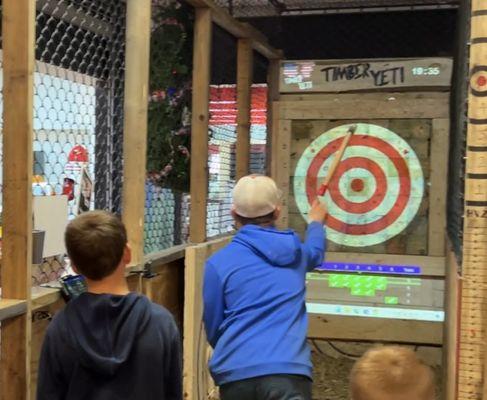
271, 387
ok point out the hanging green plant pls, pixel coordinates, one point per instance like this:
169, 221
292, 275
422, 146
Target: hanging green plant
169, 130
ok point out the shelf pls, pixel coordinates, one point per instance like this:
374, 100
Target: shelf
43, 297
10, 308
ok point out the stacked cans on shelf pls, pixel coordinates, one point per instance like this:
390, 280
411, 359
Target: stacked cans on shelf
159, 218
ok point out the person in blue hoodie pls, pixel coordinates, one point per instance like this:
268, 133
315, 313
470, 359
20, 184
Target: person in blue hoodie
108, 343
254, 299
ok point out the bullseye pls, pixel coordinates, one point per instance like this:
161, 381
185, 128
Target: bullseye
376, 190
357, 185
478, 80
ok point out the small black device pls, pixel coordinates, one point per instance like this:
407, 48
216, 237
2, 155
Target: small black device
72, 286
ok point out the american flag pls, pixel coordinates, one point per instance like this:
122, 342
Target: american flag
291, 70
305, 69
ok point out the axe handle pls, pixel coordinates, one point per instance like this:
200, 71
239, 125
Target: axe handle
334, 164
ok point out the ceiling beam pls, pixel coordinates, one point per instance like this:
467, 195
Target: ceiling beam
239, 29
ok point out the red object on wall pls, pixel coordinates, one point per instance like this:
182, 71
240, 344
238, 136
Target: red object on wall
68, 188
78, 154
223, 105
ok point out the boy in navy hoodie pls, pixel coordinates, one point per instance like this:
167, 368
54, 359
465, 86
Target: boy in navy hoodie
108, 343
254, 299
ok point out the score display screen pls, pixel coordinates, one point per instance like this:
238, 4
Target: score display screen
374, 291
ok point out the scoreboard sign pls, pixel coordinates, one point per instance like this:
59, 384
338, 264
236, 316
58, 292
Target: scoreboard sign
351, 75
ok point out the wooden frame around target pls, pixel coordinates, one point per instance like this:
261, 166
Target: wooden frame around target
433, 106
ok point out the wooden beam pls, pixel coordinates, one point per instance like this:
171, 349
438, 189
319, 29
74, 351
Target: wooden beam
199, 125
238, 29
440, 143
18, 33
281, 161
12, 308
272, 96
450, 329
369, 106
472, 381
135, 122
44, 297
337, 327
245, 66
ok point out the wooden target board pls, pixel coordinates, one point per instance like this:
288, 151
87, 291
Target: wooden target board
378, 199
376, 191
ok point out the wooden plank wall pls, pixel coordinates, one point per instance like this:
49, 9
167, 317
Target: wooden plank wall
473, 334
197, 384
18, 38
421, 118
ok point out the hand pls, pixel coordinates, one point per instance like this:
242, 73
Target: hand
318, 212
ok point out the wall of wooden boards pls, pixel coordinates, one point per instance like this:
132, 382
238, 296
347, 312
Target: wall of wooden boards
421, 118
197, 383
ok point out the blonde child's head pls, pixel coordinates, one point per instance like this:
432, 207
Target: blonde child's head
391, 373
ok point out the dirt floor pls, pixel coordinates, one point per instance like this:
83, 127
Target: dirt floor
330, 376
332, 370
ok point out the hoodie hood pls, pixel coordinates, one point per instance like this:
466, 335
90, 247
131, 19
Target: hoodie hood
103, 328
279, 248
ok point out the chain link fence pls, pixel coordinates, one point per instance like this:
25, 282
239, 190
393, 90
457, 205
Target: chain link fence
222, 133
78, 110
169, 126
258, 129
258, 115
272, 8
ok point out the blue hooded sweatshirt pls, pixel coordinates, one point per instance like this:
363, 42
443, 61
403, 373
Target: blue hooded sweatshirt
254, 303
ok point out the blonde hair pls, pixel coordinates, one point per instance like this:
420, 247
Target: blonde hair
391, 373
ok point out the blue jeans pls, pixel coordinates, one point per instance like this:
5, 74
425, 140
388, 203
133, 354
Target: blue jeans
271, 387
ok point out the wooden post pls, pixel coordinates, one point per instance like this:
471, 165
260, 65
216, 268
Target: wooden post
135, 122
440, 140
245, 65
199, 125
18, 29
450, 328
272, 96
472, 372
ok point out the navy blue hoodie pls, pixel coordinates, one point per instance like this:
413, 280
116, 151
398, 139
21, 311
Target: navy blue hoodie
254, 303
107, 347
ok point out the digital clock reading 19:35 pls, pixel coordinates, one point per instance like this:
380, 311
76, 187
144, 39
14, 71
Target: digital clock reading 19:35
426, 71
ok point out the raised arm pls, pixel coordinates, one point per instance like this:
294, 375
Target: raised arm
314, 245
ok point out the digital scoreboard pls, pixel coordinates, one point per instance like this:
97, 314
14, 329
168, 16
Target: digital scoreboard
375, 291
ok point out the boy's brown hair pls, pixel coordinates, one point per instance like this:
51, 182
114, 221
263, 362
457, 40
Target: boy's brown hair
391, 373
95, 242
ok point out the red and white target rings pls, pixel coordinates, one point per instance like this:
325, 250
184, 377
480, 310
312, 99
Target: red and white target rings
377, 188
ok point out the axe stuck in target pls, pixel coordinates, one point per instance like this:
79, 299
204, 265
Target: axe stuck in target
336, 161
